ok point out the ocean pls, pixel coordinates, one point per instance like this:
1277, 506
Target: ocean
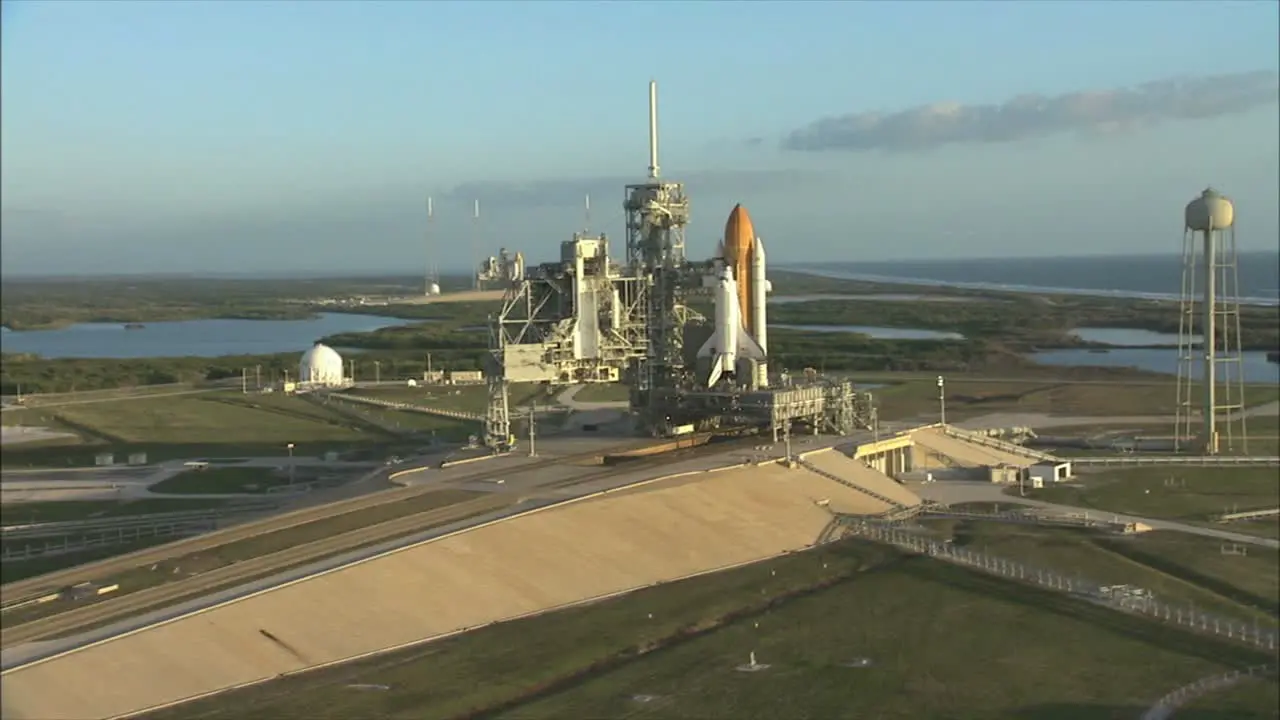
1154, 276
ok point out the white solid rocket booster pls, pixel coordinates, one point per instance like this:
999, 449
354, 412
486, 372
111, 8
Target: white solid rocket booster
759, 286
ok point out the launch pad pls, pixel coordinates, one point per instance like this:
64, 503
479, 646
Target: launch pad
588, 319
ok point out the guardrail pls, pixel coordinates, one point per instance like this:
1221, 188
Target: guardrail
1124, 598
893, 504
1248, 515
84, 527
1202, 460
998, 444
1166, 706
119, 536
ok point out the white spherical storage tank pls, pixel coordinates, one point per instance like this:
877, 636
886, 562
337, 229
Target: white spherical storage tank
321, 365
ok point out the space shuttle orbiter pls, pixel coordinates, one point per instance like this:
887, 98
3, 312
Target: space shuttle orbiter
730, 342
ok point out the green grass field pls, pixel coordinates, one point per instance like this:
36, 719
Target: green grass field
221, 424
1177, 568
1189, 494
942, 641
971, 397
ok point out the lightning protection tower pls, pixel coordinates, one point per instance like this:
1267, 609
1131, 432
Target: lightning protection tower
1210, 361
432, 284
477, 283
656, 215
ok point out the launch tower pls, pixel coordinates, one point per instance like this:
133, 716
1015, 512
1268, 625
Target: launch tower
1210, 361
656, 215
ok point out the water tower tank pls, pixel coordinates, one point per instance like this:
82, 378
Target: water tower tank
1210, 211
321, 365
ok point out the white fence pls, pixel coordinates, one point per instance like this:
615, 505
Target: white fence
1166, 706
1125, 598
1205, 460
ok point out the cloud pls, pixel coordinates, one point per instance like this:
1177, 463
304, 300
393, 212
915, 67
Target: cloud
570, 191
1029, 116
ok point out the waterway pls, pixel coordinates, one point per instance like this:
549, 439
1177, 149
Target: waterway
188, 338
1133, 348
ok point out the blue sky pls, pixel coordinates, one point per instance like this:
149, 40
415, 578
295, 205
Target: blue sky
305, 136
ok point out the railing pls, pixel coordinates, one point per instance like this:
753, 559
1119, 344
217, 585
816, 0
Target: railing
1125, 598
104, 539
1205, 460
1248, 515
1166, 706
87, 527
894, 504
998, 444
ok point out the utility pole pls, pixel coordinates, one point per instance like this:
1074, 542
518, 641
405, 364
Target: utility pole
257, 377
786, 437
875, 422
942, 400
533, 420
377, 372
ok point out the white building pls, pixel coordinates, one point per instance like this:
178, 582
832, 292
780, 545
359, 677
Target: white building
321, 365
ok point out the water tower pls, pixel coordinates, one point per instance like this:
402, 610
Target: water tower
1210, 362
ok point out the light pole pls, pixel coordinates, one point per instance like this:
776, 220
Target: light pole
533, 419
942, 400
290, 447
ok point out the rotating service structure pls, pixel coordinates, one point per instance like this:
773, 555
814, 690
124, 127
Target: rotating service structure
588, 319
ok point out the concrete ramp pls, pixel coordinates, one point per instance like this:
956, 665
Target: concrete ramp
963, 453
857, 472
531, 563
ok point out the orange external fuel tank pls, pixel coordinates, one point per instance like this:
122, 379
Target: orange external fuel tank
739, 248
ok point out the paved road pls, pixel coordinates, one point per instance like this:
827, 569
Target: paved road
568, 399
953, 492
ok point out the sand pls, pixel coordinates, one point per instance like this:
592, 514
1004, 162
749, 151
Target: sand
523, 565
854, 471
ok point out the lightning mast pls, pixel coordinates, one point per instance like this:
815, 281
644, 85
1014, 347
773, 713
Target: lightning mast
433, 267
475, 244
656, 215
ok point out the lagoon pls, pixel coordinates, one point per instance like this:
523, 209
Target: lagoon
188, 338
1129, 337
1162, 360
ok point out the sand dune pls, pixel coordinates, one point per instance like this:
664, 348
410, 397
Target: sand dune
527, 564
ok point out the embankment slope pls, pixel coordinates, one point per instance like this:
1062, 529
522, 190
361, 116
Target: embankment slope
527, 564
857, 472
966, 454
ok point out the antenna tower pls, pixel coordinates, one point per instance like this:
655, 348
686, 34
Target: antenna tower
1210, 360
